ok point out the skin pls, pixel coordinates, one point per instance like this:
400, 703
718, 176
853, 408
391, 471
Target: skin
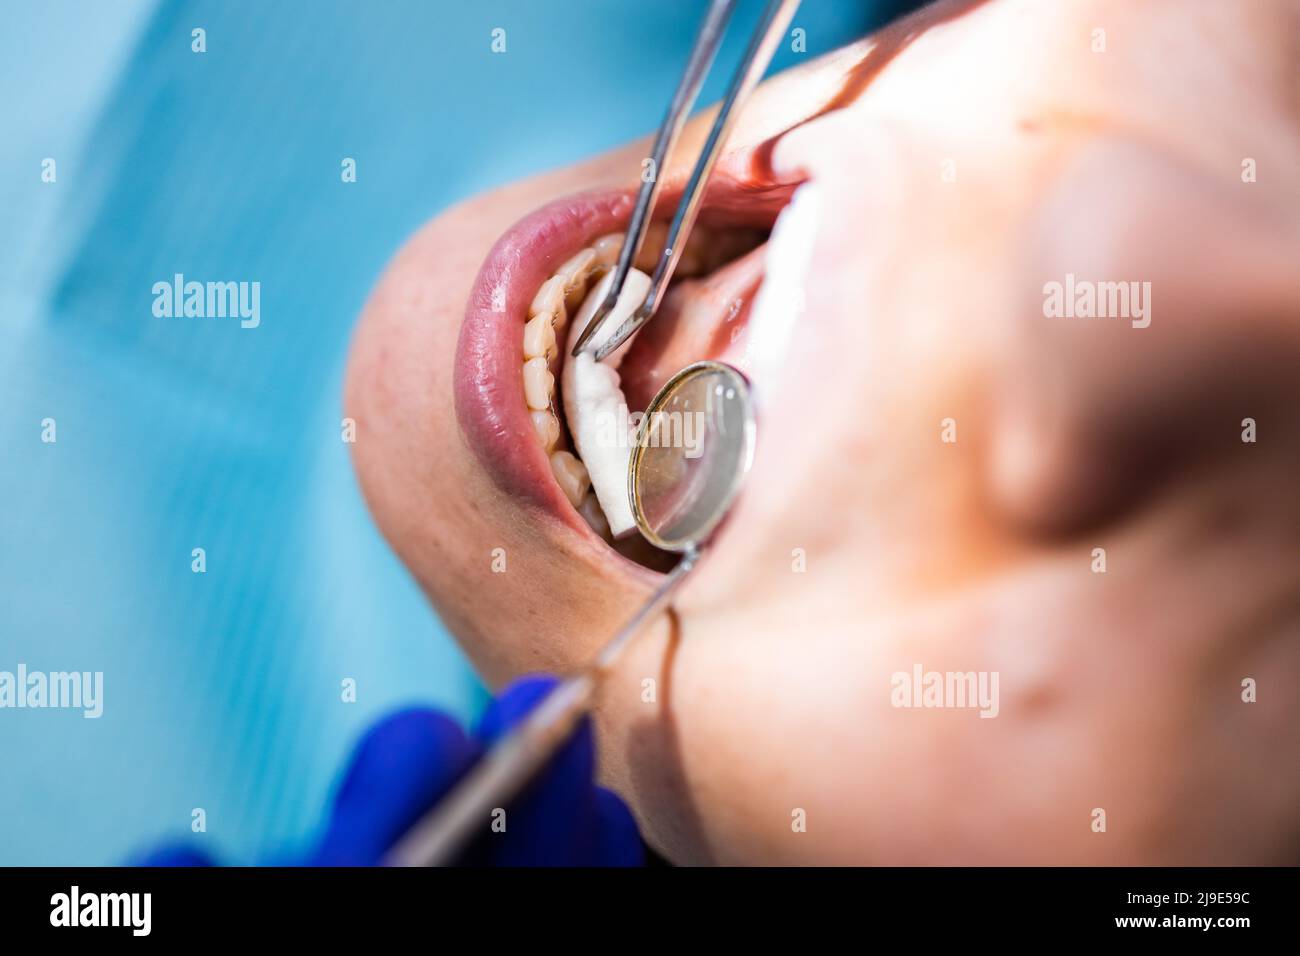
1119, 690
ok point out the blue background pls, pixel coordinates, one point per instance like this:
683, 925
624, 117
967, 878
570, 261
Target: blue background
222, 690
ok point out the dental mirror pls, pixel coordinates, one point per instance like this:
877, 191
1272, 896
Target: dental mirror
694, 446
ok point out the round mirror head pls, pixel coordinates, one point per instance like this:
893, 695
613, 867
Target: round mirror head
693, 448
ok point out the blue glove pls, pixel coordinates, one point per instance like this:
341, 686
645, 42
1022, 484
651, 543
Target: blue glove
409, 760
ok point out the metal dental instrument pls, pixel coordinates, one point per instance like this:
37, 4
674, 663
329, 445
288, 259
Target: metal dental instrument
682, 480
762, 45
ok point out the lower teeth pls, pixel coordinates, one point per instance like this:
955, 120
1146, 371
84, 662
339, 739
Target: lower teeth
571, 475
565, 292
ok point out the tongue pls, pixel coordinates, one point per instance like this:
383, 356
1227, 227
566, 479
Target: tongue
699, 319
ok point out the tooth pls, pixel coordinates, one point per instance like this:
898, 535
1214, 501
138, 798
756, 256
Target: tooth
607, 248
573, 298
539, 384
595, 518
653, 246
550, 299
539, 337
777, 307
571, 475
575, 273
547, 427
576, 270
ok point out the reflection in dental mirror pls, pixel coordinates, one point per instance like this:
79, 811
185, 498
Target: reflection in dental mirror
693, 448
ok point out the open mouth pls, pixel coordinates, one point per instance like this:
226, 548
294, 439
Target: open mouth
524, 308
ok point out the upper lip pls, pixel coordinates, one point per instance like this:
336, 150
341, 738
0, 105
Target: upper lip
488, 386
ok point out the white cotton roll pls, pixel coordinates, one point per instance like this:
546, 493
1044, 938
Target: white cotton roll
594, 406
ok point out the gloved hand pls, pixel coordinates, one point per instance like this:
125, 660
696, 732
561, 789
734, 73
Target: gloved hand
409, 760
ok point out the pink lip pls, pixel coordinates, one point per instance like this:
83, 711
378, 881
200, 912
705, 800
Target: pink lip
488, 385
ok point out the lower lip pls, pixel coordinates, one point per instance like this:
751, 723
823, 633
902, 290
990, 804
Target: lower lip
488, 386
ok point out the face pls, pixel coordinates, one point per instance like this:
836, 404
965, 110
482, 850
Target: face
957, 472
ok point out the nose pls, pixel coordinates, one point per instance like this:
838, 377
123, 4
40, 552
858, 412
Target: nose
1157, 327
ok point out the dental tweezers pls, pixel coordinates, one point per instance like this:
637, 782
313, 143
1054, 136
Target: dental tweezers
762, 45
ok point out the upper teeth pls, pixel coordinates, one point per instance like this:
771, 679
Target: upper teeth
779, 304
